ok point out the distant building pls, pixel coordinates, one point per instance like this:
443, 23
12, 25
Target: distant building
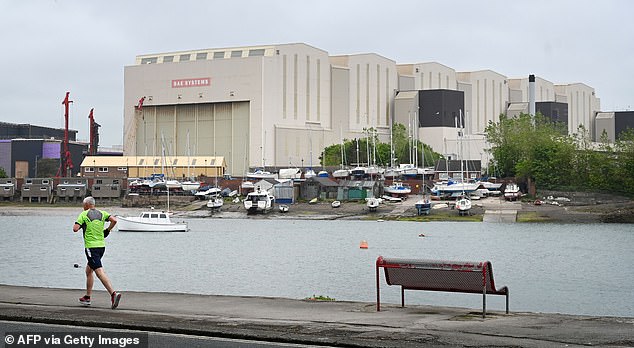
613, 124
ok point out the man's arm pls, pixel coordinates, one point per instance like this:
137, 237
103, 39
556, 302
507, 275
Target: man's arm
76, 226
113, 221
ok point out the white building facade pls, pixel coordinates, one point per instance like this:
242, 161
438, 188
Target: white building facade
281, 105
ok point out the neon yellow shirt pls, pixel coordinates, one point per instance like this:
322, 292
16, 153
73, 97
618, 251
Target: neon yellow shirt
94, 221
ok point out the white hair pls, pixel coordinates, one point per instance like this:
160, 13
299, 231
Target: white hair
89, 200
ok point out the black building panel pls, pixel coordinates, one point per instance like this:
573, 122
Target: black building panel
622, 121
27, 131
556, 112
26, 150
440, 107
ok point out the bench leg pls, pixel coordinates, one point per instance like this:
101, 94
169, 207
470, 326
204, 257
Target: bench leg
402, 297
378, 294
507, 302
484, 303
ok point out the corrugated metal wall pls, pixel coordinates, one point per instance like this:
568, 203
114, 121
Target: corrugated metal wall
215, 129
51, 149
5, 156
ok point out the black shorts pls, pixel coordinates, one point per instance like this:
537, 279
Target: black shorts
94, 256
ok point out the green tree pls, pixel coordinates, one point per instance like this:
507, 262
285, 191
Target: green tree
3, 174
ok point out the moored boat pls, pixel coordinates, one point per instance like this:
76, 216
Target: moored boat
335, 204
463, 204
151, 221
398, 189
372, 203
258, 201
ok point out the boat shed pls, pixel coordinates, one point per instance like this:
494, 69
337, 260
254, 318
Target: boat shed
71, 188
353, 190
318, 187
266, 185
144, 166
37, 188
284, 192
106, 188
7, 188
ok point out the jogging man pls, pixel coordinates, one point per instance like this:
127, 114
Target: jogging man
92, 222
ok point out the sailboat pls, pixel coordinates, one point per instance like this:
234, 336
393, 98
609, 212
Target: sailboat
190, 184
463, 203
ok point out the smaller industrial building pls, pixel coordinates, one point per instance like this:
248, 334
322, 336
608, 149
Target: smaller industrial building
613, 124
144, 166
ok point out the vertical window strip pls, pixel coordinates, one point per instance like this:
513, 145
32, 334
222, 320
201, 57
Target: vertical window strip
387, 96
295, 86
367, 94
318, 90
378, 94
307, 87
358, 94
284, 76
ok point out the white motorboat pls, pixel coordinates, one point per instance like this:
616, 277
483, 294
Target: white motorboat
408, 169
391, 199
290, 173
151, 221
283, 208
512, 192
423, 206
451, 187
463, 204
398, 189
491, 186
322, 174
261, 174
373, 203
206, 193
190, 185
392, 173
341, 173
215, 202
358, 172
258, 201
335, 204
309, 173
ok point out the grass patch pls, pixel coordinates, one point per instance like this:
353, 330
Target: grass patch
531, 216
319, 298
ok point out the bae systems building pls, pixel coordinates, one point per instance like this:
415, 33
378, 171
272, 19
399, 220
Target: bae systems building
280, 105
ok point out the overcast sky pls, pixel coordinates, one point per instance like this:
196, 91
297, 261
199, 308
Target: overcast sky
50, 47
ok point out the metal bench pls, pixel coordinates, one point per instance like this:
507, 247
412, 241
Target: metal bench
439, 275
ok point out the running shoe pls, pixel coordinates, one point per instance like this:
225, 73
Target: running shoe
85, 300
115, 298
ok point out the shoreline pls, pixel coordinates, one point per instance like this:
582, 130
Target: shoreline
184, 207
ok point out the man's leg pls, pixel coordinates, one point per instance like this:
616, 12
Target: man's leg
90, 280
101, 274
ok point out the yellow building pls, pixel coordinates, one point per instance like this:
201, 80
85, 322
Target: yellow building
144, 166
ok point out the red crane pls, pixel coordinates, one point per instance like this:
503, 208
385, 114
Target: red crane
66, 163
94, 134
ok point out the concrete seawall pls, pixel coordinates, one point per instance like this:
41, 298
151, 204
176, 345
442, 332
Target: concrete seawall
352, 324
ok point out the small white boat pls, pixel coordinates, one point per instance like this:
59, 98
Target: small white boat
309, 173
313, 201
373, 203
335, 204
290, 173
261, 174
215, 202
283, 208
398, 189
512, 192
423, 206
190, 185
151, 221
463, 204
258, 201
391, 199
392, 173
236, 200
206, 193
341, 173
322, 174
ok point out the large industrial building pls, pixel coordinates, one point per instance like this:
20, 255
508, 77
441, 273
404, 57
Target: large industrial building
280, 105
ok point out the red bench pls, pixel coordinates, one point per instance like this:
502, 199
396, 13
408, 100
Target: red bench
439, 275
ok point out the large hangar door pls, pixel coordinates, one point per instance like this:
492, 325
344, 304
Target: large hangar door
215, 129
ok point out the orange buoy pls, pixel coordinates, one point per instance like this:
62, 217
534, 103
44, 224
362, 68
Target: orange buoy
363, 245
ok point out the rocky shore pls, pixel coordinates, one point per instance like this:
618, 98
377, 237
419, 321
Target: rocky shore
577, 209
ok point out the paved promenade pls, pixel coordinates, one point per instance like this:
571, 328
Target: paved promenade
351, 324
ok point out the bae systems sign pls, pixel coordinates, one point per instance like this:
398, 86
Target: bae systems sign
197, 82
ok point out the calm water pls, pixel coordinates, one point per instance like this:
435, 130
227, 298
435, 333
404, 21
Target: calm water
574, 268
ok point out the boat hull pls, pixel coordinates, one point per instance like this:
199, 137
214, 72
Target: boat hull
134, 225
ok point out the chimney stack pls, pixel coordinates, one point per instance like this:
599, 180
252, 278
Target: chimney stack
531, 95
